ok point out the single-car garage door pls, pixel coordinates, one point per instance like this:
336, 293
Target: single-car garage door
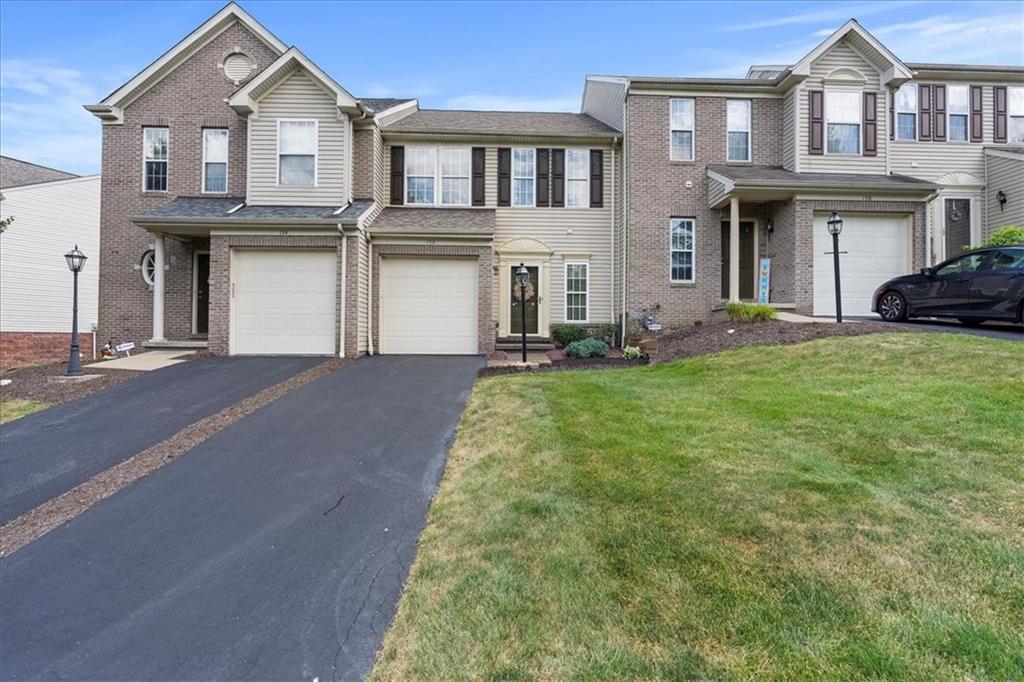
428, 305
877, 248
283, 302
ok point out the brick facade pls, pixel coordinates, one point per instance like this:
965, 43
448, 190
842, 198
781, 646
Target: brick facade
18, 349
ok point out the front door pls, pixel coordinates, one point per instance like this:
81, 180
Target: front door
957, 214
746, 260
532, 300
202, 284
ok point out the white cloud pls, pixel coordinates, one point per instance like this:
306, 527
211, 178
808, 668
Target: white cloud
505, 103
995, 38
838, 11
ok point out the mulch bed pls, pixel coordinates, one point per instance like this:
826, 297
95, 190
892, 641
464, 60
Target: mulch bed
565, 364
714, 338
31, 525
30, 383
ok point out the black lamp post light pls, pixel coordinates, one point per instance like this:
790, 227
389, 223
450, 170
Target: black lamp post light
523, 279
76, 261
835, 226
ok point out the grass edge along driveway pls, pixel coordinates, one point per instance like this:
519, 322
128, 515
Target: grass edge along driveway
846, 508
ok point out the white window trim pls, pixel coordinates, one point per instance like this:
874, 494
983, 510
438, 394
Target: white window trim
693, 252
227, 163
146, 279
692, 131
967, 128
566, 292
915, 114
1009, 113
316, 152
565, 180
749, 131
860, 124
512, 175
437, 175
167, 160
975, 226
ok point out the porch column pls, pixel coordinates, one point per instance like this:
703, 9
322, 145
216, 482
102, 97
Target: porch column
158, 287
734, 249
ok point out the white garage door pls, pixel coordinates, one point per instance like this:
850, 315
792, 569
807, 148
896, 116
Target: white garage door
877, 248
284, 302
428, 305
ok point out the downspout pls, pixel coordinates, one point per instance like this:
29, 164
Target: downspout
625, 207
369, 297
928, 227
344, 288
611, 221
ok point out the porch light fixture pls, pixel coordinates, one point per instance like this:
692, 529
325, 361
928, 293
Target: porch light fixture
835, 226
522, 280
1001, 198
769, 227
76, 261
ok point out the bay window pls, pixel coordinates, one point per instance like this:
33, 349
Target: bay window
842, 121
215, 160
154, 159
681, 120
577, 178
577, 292
437, 176
959, 111
906, 112
681, 249
524, 166
737, 127
296, 152
1015, 115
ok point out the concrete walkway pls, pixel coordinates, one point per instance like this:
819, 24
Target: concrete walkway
146, 362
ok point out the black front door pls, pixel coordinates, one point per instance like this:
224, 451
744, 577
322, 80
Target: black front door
202, 293
532, 308
746, 260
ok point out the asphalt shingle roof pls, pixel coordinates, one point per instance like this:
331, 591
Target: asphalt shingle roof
434, 220
217, 209
776, 175
532, 123
379, 104
15, 173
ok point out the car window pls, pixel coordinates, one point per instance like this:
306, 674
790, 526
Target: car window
968, 263
1009, 259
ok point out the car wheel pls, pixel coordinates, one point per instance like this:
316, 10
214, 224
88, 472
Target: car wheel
969, 321
892, 307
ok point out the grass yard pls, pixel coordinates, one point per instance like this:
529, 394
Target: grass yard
846, 508
15, 408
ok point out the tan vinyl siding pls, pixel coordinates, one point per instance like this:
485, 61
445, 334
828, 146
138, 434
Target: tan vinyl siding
363, 295
603, 100
841, 55
716, 191
298, 97
1006, 175
789, 129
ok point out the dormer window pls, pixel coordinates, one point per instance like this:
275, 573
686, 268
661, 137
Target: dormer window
842, 121
959, 112
906, 112
296, 152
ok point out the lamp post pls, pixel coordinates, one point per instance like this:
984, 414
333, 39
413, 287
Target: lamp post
835, 226
76, 261
523, 279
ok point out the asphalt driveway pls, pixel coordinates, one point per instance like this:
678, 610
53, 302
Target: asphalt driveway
992, 330
50, 452
276, 549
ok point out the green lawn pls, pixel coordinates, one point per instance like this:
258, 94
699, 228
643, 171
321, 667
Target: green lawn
847, 508
15, 408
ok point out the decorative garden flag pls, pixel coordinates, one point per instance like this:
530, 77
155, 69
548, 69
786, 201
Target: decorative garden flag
764, 280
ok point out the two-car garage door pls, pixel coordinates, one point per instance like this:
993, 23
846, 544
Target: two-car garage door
877, 249
428, 305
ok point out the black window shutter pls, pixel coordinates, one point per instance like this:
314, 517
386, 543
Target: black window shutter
892, 114
558, 177
924, 112
976, 117
397, 176
477, 182
543, 177
816, 136
939, 113
596, 178
870, 131
999, 92
504, 176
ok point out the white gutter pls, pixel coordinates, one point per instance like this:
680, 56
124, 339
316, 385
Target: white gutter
369, 297
344, 289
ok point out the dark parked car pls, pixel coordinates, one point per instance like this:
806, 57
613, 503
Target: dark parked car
980, 285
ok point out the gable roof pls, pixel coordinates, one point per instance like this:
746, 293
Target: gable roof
891, 68
245, 98
521, 123
16, 173
381, 104
110, 109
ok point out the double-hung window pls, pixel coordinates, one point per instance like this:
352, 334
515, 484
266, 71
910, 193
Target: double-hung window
454, 165
524, 166
420, 167
681, 130
1015, 115
906, 112
577, 292
296, 153
737, 126
577, 178
154, 165
959, 108
437, 176
215, 160
681, 249
842, 121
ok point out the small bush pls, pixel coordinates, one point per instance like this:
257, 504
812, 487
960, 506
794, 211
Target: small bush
606, 332
633, 353
1007, 235
587, 348
564, 334
749, 312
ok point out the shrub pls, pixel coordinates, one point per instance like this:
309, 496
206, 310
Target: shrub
606, 332
564, 334
587, 348
749, 312
633, 353
1007, 235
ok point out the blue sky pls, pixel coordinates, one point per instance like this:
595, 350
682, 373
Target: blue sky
56, 56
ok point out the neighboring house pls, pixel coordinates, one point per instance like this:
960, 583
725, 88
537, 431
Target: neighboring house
52, 212
251, 204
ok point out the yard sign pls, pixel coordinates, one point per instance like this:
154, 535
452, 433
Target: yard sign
764, 277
